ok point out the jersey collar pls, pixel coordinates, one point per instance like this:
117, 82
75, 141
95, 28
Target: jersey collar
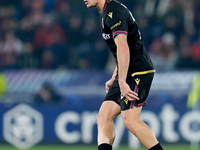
104, 7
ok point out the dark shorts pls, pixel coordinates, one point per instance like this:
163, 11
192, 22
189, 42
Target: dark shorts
139, 83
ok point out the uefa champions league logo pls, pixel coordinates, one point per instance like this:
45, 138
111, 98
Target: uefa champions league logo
23, 126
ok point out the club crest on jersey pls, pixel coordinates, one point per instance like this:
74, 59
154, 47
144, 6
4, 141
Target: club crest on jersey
102, 23
106, 36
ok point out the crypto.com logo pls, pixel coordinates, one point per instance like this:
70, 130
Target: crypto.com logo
23, 126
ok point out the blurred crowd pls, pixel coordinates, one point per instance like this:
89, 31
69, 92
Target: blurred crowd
64, 34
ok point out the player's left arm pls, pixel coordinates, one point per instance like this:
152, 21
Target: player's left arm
123, 58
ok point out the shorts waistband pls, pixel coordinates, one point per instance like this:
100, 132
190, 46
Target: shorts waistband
143, 72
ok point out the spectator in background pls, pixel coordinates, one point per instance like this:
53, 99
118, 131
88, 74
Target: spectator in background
163, 52
197, 16
55, 56
37, 12
90, 30
100, 50
184, 60
74, 32
27, 59
48, 33
173, 22
11, 48
87, 45
47, 94
26, 6
76, 45
63, 11
195, 53
145, 30
26, 30
11, 44
54, 24
7, 20
47, 60
62, 15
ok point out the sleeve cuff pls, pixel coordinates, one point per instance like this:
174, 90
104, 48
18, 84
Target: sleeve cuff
119, 32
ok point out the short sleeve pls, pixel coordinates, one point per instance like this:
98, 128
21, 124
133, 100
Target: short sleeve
118, 22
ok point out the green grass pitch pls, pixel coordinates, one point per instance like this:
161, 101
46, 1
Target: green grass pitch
53, 147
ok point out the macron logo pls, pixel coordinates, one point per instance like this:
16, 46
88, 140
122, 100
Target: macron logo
110, 14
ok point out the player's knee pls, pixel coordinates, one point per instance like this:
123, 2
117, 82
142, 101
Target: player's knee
102, 119
130, 125
99, 119
127, 123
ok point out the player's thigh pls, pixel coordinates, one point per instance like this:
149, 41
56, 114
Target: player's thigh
108, 111
131, 115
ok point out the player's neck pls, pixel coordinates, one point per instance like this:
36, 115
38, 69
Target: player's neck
100, 5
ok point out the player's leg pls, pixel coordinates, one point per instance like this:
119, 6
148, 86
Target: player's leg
108, 111
135, 125
130, 111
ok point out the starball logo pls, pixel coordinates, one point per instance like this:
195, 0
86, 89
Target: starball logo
23, 126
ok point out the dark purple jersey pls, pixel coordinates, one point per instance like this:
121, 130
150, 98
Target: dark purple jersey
117, 19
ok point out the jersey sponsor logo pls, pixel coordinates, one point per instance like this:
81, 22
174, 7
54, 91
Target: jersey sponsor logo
116, 25
106, 36
110, 14
137, 81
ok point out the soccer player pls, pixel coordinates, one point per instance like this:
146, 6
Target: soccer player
129, 86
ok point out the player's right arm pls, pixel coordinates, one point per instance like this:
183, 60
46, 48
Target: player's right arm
110, 82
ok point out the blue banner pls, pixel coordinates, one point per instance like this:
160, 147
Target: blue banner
67, 114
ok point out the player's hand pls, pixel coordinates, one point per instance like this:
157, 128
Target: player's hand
108, 84
127, 92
